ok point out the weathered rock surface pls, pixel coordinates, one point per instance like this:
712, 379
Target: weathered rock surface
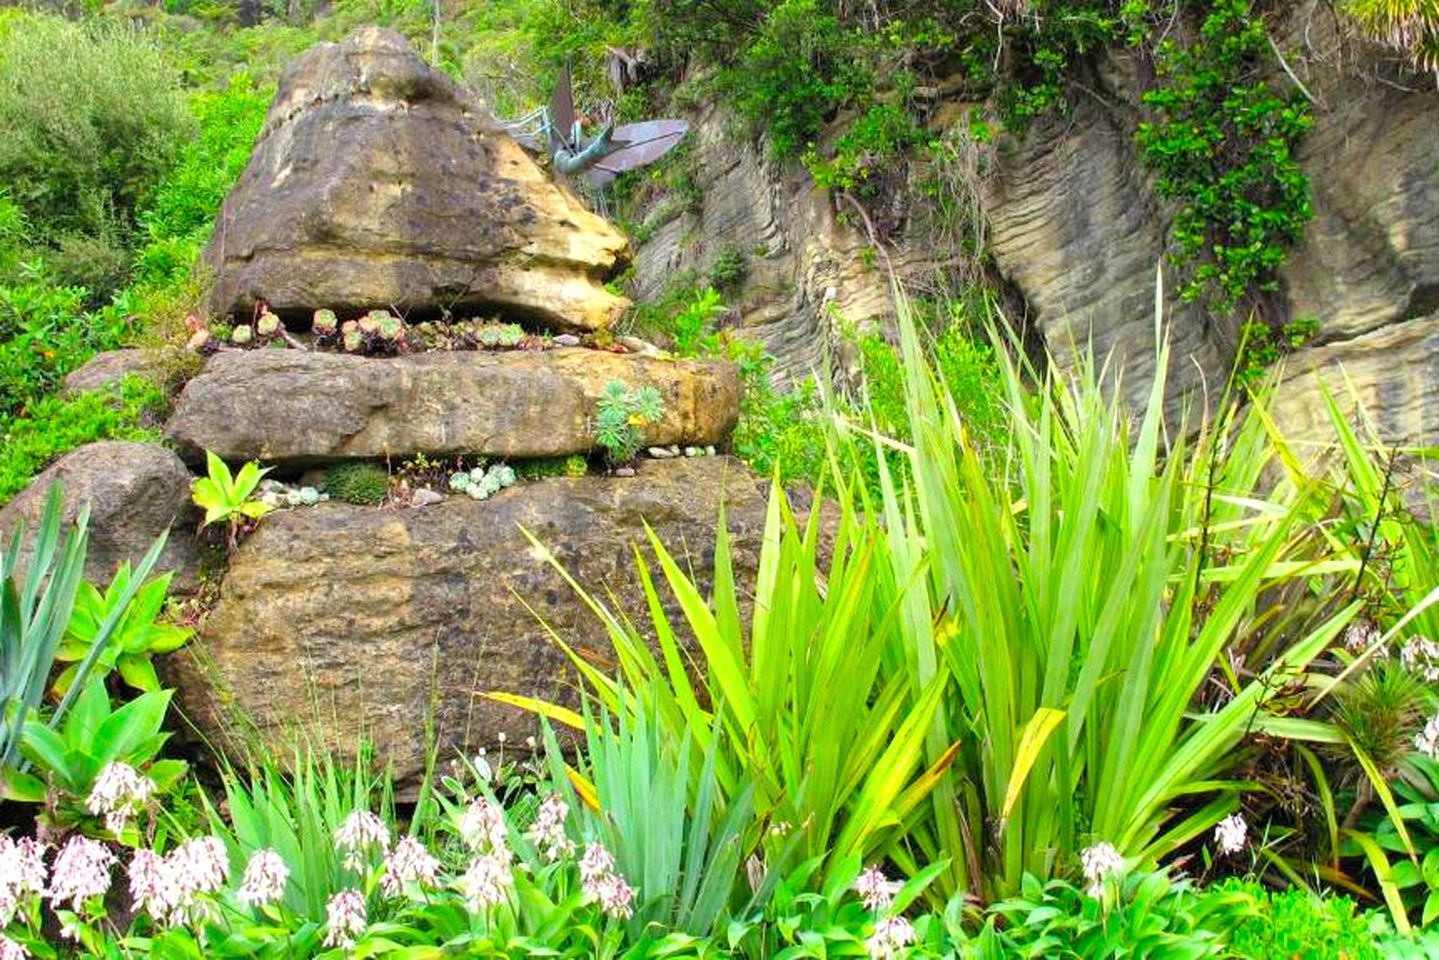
1069, 214
350, 622
377, 182
135, 492
111, 367
1392, 373
805, 270
294, 408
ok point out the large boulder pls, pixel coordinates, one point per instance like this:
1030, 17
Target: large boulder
348, 623
135, 492
377, 182
294, 408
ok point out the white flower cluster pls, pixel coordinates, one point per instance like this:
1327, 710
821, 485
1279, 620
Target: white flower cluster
875, 890
120, 791
1100, 862
174, 888
1360, 636
602, 883
1420, 656
488, 880
548, 831
345, 919
10, 950
1426, 741
22, 874
361, 835
891, 935
264, 880
408, 863
1231, 834
81, 871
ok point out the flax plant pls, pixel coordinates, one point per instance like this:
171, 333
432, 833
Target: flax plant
784, 691
1083, 596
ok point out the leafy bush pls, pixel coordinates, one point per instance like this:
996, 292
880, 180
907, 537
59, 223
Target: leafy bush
363, 483
1223, 146
46, 330
56, 425
178, 219
93, 118
1296, 923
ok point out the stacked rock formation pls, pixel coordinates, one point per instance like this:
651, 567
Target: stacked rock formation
377, 184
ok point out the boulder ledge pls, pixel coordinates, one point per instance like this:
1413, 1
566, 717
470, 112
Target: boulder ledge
377, 182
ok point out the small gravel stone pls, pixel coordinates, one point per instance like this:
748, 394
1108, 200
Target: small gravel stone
624, 471
661, 453
567, 340
693, 451
425, 497
710, 450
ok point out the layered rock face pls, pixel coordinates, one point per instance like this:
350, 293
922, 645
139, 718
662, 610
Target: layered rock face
322, 407
1070, 217
377, 182
345, 622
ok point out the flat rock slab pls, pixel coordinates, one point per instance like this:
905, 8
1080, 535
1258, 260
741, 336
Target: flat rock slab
293, 408
112, 366
135, 492
347, 623
378, 182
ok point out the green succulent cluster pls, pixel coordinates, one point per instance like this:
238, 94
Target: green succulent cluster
571, 466
362, 483
474, 335
377, 332
267, 329
624, 412
481, 484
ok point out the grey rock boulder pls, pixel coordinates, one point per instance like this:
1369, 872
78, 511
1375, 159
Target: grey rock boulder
377, 182
135, 492
342, 622
293, 408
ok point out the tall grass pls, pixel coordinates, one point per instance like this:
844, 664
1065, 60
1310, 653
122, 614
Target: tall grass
995, 661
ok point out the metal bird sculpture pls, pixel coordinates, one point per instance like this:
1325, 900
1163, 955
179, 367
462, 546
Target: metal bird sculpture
602, 158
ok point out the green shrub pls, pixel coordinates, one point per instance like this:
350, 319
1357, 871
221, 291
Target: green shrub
45, 332
363, 483
1222, 144
621, 416
1296, 923
55, 425
93, 117
179, 218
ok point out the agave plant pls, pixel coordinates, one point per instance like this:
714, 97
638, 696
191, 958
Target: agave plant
228, 498
35, 609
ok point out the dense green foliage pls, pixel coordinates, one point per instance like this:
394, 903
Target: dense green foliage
94, 117
55, 425
1222, 145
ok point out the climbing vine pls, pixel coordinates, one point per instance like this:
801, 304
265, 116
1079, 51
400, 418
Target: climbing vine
1222, 145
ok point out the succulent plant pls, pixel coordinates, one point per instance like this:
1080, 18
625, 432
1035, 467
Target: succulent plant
242, 335
460, 482
353, 341
392, 328
199, 341
268, 325
325, 323
624, 412
364, 483
369, 324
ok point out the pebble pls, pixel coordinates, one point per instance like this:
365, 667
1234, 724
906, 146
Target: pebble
566, 340
661, 453
693, 452
425, 497
710, 450
624, 471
